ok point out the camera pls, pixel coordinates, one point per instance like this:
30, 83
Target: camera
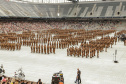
19, 74
57, 78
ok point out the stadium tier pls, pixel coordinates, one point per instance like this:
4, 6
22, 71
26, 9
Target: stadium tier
61, 10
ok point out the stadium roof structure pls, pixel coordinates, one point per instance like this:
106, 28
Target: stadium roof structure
116, 9
59, 1
51, 1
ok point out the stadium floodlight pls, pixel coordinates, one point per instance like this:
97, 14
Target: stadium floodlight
58, 14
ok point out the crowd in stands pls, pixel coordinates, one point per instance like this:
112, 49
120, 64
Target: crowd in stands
10, 80
14, 26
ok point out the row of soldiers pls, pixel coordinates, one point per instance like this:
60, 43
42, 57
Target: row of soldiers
89, 49
71, 41
2, 40
43, 49
71, 37
64, 42
10, 46
41, 38
82, 52
57, 44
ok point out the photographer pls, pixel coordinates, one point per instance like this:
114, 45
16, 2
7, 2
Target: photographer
2, 71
